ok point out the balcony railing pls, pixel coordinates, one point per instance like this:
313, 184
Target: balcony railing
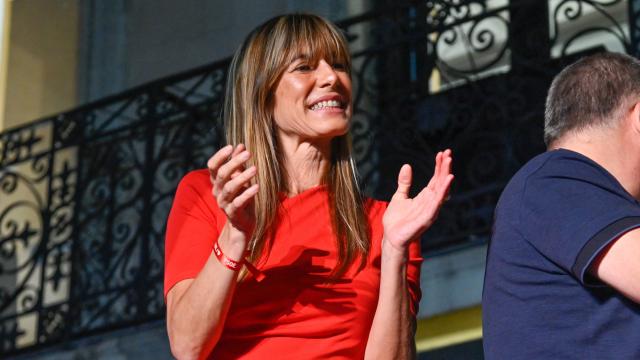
84, 195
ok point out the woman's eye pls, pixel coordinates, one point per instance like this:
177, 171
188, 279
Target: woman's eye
303, 67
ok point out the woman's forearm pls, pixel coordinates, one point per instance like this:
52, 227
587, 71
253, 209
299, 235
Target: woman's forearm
196, 309
392, 331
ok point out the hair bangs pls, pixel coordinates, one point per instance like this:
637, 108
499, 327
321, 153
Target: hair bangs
313, 40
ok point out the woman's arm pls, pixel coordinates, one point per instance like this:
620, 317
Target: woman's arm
393, 328
197, 308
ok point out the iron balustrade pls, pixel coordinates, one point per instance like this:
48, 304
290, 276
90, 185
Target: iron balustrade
84, 195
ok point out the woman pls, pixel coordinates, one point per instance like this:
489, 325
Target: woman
339, 274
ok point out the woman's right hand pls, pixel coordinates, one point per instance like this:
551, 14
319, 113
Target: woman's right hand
232, 187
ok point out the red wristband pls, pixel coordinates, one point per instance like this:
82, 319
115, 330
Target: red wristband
235, 265
231, 264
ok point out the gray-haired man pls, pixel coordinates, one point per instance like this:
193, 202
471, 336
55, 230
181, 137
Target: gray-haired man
563, 269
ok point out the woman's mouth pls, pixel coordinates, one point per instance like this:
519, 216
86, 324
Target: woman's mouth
327, 105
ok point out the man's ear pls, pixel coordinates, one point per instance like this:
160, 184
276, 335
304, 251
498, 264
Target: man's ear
635, 117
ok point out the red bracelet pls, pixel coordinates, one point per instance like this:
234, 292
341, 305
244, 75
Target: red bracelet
235, 265
231, 264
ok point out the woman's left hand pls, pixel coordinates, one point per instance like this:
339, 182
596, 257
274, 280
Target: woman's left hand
405, 218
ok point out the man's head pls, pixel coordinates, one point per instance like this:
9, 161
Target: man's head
593, 92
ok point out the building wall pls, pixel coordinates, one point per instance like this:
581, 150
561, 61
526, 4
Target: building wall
64, 53
144, 342
127, 43
42, 60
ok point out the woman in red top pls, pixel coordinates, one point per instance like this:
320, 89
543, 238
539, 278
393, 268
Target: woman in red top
337, 274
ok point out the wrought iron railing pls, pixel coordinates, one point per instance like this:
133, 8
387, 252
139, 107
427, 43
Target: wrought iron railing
84, 195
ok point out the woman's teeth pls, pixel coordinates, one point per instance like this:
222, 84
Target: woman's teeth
324, 104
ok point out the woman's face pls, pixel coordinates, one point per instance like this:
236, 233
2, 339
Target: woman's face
313, 100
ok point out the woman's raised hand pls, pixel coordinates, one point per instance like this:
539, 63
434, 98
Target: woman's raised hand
405, 219
232, 187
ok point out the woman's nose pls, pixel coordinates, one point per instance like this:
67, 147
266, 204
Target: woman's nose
326, 74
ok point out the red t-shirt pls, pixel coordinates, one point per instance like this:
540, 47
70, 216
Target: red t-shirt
293, 313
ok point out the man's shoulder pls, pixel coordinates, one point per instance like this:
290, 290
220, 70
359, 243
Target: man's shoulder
559, 170
511, 196
550, 184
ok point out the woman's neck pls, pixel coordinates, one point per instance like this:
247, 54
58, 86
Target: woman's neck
306, 163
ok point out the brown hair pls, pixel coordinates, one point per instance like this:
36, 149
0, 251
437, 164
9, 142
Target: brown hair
254, 74
590, 92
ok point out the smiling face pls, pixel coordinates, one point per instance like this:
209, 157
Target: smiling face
312, 100
289, 84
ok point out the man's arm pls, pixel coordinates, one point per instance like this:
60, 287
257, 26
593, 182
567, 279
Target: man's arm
619, 265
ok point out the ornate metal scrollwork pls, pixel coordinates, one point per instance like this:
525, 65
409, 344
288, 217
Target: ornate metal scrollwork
634, 23
467, 38
84, 195
574, 21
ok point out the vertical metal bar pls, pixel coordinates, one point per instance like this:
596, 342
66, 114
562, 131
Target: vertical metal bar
634, 28
529, 34
423, 64
41, 336
150, 125
75, 309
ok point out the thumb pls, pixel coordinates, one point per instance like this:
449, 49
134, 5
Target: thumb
404, 181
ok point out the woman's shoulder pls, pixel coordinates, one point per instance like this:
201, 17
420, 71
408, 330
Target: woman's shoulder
195, 182
195, 187
198, 178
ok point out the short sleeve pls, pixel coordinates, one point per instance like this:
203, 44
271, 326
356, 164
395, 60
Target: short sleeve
572, 209
413, 276
192, 227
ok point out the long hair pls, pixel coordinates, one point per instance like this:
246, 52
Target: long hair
254, 74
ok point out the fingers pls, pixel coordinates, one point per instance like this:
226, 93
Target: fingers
445, 177
440, 183
228, 174
437, 170
238, 149
441, 170
404, 181
232, 187
219, 158
242, 200
232, 166
448, 160
236, 152
446, 187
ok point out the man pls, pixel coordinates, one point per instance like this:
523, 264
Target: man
563, 268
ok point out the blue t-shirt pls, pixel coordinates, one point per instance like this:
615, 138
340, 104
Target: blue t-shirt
540, 301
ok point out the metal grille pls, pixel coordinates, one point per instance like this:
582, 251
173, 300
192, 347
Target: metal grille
84, 195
